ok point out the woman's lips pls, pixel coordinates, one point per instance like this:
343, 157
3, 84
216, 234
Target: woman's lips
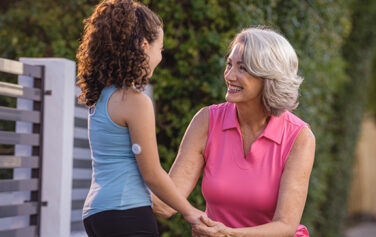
234, 89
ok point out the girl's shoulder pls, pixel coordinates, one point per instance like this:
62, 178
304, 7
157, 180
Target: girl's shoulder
133, 98
128, 104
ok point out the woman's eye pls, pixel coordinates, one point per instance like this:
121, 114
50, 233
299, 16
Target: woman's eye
243, 68
228, 64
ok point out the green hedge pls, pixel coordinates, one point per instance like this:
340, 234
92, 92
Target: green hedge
359, 52
197, 34
371, 105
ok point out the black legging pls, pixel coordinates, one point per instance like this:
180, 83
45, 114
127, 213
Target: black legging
135, 222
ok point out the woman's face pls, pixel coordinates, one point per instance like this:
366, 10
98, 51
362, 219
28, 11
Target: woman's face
154, 51
241, 86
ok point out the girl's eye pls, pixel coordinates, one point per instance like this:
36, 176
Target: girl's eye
243, 68
228, 64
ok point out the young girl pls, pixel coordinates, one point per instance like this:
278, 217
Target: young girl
121, 46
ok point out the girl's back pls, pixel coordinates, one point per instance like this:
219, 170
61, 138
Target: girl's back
116, 180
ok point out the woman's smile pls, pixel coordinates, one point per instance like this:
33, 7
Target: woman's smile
232, 89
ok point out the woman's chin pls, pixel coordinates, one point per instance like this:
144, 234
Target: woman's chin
231, 98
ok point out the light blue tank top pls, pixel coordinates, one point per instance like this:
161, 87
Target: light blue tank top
116, 182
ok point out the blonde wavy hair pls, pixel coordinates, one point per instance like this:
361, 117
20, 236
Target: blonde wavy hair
269, 56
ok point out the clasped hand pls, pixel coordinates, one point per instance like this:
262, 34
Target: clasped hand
209, 228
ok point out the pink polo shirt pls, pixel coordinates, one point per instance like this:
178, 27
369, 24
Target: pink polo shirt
243, 192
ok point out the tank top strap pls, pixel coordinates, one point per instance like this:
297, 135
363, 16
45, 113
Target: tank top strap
102, 101
107, 92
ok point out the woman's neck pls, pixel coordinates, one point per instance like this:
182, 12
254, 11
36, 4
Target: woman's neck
252, 116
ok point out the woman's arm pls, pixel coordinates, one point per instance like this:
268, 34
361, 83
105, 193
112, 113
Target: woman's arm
291, 199
141, 123
189, 162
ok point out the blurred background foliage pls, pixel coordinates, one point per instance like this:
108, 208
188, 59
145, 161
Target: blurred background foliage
335, 42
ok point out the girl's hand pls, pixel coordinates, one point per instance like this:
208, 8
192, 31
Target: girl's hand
210, 229
194, 217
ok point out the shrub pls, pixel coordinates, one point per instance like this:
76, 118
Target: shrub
197, 34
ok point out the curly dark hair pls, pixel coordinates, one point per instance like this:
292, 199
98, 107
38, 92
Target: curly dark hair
110, 52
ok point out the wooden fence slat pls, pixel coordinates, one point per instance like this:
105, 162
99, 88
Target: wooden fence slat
81, 183
18, 185
79, 122
80, 112
77, 225
81, 133
18, 68
81, 164
11, 66
12, 138
76, 104
77, 204
81, 143
19, 162
18, 91
18, 209
19, 115
29, 231
32, 70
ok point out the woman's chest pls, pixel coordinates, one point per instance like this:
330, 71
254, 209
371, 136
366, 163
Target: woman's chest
252, 189
250, 182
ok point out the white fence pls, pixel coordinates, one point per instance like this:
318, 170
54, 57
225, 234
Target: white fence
66, 155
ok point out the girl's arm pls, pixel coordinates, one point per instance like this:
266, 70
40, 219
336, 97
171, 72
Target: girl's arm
139, 116
189, 162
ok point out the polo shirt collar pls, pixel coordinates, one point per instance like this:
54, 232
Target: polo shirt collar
230, 119
273, 130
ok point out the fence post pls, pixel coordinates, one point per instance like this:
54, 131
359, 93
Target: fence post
58, 145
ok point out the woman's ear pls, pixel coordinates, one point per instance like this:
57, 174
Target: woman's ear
145, 45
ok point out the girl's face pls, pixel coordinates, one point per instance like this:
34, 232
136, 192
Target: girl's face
154, 51
241, 86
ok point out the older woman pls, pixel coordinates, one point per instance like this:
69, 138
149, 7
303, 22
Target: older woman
256, 155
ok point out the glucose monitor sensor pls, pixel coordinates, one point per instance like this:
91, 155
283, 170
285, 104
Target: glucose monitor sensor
136, 149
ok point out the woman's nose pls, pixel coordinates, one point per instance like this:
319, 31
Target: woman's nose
229, 75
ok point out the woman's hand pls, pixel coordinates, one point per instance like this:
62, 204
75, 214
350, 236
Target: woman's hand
210, 229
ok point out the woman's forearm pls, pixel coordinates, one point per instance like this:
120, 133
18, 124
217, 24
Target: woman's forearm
272, 229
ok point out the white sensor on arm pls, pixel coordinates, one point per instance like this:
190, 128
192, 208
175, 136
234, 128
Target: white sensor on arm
136, 149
